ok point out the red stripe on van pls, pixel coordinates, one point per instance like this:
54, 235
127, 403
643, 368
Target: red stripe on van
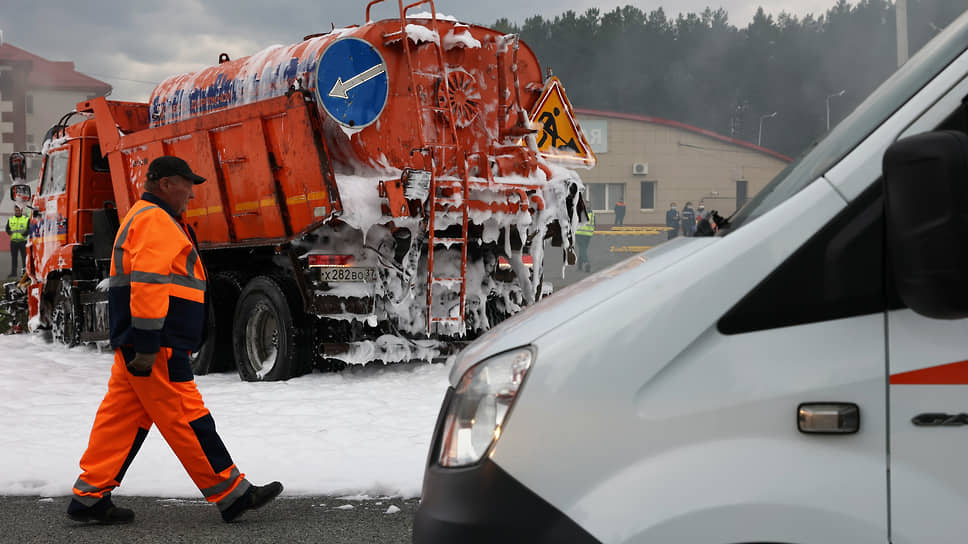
949, 374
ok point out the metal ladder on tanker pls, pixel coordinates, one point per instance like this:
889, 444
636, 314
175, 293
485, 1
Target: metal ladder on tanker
449, 177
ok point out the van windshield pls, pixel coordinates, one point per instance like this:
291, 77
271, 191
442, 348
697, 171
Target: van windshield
884, 101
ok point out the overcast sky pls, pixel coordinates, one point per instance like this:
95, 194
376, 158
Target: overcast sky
134, 45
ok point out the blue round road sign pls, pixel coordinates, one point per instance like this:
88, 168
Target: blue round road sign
351, 82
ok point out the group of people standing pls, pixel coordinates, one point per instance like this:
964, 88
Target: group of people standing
687, 219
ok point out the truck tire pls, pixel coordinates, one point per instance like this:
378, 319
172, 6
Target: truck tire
64, 325
216, 354
270, 336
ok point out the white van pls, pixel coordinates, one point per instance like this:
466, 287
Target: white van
801, 377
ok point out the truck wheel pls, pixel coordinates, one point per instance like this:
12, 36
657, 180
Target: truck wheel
216, 354
63, 319
269, 336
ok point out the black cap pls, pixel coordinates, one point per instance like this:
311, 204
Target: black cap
165, 166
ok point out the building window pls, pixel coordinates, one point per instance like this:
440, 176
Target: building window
30, 103
742, 188
603, 196
648, 195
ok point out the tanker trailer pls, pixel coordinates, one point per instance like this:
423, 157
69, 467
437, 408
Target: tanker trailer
375, 193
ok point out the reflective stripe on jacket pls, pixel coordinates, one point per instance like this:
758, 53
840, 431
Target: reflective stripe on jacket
17, 227
587, 229
156, 294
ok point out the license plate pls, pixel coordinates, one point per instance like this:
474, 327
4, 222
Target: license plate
347, 273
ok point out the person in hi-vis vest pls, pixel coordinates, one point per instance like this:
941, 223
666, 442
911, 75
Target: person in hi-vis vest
17, 229
583, 237
157, 311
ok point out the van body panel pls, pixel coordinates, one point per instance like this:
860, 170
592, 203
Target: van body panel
788, 523
563, 305
741, 407
647, 417
658, 368
927, 460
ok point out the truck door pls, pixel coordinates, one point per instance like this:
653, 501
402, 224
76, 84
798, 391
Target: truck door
50, 227
813, 330
928, 394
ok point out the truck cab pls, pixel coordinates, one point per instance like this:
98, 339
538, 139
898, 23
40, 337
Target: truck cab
73, 227
798, 377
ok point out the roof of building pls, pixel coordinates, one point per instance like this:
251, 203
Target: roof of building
51, 74
683, 126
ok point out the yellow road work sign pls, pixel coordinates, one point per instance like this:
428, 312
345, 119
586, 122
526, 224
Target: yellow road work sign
559, 137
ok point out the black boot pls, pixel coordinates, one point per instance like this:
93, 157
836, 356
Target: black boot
254, 497
103, 512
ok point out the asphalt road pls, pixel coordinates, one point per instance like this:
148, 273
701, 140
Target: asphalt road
4, 263
286, 520
609, 245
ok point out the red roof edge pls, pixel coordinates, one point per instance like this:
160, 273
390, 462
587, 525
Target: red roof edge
52, 74
677, 124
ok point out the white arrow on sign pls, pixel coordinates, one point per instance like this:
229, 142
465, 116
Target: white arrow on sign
339, 90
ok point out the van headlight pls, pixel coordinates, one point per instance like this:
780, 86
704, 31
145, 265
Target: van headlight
479, 406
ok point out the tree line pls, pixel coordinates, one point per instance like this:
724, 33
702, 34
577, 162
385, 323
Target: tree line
701, 70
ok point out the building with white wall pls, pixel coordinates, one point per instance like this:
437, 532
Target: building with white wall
651, 162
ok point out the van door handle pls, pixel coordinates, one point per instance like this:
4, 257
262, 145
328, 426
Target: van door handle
828, 418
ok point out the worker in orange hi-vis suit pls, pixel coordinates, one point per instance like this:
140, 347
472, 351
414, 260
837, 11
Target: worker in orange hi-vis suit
157, 311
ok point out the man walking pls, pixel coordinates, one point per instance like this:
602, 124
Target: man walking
672, 221
157, 310
17, 229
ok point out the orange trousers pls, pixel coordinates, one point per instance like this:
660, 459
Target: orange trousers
169, 399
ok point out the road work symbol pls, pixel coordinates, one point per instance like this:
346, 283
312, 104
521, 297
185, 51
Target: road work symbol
351, 82
559, 137
549, 129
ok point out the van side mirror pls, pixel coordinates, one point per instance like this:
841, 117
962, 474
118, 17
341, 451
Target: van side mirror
926, 211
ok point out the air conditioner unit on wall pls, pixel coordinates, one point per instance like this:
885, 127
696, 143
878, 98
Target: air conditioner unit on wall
640, 169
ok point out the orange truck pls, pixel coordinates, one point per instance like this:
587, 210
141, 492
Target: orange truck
375, 193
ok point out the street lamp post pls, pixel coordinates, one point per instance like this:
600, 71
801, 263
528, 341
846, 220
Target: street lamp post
900, 9
759, 135
829, 96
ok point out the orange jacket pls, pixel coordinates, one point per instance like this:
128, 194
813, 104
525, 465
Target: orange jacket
156, 294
